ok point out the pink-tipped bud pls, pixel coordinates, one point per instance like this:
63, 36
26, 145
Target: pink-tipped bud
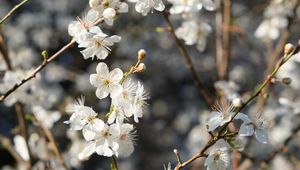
140, 68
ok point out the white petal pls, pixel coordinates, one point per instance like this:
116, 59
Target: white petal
101, 93
88, 133
87, 151
261, 135
115, 89
94, 80
246, 130
243, 117
116, 75
208, 5
102, 69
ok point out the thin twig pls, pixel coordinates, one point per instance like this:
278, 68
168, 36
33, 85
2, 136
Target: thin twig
219, 43
37, 70
204, 92
4, 51
226, 38
10, 148
12, 11
41, 67
52, 142
220, 135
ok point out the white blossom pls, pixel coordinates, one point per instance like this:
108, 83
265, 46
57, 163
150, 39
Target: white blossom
104, 143
258, 127
21, 147
126, 137
145, 6
97, 44
84, 118
193, 32
187, 6
79, 29
106, 82
139, 102
218, 158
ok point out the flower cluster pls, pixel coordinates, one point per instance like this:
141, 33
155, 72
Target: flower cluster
192, 30
112, 136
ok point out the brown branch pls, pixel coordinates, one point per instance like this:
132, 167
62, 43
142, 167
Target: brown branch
219, 43
41, 67
226, 38
37, 70
12, 11
10, 148
204, 92
270, 65
221, 134
4, 51
52, 142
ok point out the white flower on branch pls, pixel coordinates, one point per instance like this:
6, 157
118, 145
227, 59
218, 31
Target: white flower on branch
145, 6
97, 44
126, 136
108, 9
84, 118
221, 116
139, 102
218, 158
123, 102
79, 29
258, 127
104, 143
106, 82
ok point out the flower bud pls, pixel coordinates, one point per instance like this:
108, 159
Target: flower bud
286, 80
288, 48
140, 68
109, 13
94, 3
237, 102
175, 151
141, 54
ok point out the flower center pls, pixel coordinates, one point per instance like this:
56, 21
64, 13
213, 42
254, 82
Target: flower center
106, 83
217, 156
184, 1
105, 134
90, 119
105, 3
98, 43
123, 136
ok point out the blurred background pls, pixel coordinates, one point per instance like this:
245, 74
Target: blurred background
176, 112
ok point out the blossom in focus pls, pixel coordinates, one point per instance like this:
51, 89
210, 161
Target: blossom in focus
104, 143
84, 118
125, 138
123, 102
97, 44
106, 82
79, 29
139, 102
